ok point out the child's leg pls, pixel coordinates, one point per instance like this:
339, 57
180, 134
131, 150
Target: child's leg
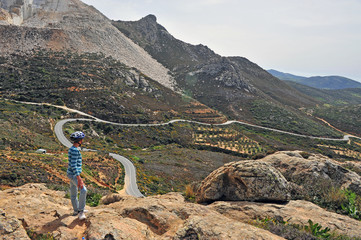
74, 193
82, 199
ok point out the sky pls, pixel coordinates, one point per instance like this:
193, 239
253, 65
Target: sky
306, 38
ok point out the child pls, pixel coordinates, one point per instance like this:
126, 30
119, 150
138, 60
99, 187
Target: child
74, 170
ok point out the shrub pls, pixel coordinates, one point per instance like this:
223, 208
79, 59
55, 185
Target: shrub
190, 193
316, 230
93, 198
351, 207
38, 236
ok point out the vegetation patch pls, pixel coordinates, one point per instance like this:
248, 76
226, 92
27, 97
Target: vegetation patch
92, 81
273, 116
346, 118
311, 231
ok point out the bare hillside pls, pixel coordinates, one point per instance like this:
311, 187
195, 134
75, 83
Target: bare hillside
70, 25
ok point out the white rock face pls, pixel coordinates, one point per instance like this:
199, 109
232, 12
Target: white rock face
18, 9
70, 24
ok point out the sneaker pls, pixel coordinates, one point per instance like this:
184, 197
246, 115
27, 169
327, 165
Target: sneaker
77, 212
81, 215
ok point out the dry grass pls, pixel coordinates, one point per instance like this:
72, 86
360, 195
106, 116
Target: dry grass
189, 191
336, 195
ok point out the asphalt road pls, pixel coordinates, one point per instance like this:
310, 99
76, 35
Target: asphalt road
130, 186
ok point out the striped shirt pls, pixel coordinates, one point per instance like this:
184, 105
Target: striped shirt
75, 161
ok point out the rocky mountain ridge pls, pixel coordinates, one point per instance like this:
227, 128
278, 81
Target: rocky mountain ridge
169, 216
227, 83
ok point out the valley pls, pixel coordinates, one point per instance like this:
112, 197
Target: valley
141, 143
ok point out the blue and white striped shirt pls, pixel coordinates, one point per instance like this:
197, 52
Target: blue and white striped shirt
75, 161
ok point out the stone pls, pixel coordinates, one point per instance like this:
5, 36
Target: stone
5, 17
111, 198
11, 228
244, 181
105, 223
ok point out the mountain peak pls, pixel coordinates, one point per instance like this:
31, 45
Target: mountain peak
150, 17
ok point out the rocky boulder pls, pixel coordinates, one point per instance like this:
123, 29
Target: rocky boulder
245, 181
312, 172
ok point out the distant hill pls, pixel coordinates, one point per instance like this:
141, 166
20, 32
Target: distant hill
327, 82
286, 76
332, 82
330, 96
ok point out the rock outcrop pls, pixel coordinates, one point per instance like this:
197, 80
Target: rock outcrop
11, 227
294, 212
245, 181
168, 216
313, 171
5, 17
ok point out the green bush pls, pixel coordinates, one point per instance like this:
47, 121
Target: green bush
316, 230
351, 207
93, 199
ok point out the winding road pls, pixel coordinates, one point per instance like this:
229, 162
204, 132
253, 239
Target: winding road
130, 185
130, 181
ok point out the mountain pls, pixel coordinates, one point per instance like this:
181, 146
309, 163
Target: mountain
63, 52
285, 76
330, 96
327, 82
332, 82
229, 84
64, 25
68, 52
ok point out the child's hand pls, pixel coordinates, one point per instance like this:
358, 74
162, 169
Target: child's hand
80, 182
